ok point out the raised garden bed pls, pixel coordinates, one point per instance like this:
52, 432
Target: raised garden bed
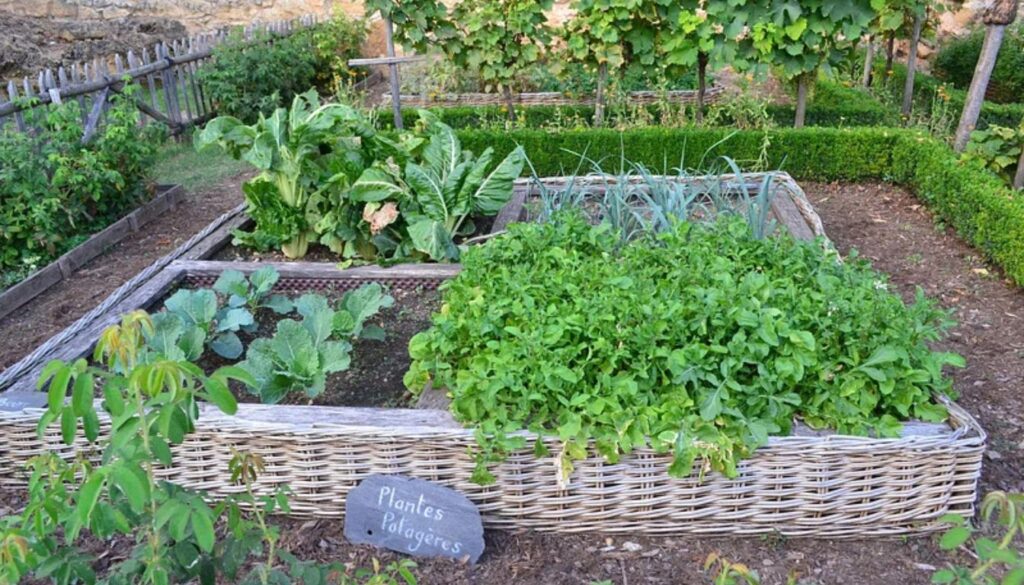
806, 484
551, 98
168, 197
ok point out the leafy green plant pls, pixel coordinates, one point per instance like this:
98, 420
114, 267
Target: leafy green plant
701, 342
998, 148
997, 561
285, 199
957, 58
247, 78
151, 405
55, 191
301, 354
500, 38
440, 189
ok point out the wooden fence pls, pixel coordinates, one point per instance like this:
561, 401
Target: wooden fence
172, 92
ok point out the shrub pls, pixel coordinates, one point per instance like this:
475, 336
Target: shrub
248, 78
700, 342
956, 61
55, 191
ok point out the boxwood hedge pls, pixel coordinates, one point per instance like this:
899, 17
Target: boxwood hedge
966, 196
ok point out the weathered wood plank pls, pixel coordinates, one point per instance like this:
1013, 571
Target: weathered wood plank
789, 216
28, 289
363, 62
321, 270
82, 343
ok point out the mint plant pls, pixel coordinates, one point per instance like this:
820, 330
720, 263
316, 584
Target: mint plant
301, 354
700, 342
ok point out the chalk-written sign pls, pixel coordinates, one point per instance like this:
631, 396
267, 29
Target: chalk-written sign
415, 517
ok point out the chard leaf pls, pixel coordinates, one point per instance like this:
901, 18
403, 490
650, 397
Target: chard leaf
496, 188
433, 239
429, 192
376, 185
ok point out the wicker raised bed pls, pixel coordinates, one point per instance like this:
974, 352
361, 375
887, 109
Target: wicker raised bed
551, 98
807, 484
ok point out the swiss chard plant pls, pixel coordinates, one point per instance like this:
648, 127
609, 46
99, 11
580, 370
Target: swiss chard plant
701, 342
440, 188
301, 354
288, 147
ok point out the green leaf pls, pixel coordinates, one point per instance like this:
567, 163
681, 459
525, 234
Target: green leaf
202, 527
87, 497
58, 389
496, 188
219, 395
131, 486
280, 304
263, 280
82, 394
954, 537
194, 307
227, 345
711, 403
232, 283
375, 185
234, 319
431, 238
68, 426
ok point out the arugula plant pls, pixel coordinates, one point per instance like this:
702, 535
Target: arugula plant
288, 148
701, 341
301, 354
441, 187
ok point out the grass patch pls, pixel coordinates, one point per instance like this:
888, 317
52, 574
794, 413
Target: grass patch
180, 164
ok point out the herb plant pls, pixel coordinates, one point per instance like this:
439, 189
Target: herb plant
701, 342
999, 148
301, 354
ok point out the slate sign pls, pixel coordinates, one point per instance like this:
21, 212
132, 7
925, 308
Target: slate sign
415, 517
18, 400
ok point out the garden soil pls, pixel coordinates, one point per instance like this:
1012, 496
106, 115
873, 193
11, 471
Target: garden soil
60, 306
892, 229
29, 44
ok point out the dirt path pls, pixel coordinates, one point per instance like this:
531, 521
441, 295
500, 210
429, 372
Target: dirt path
889, 227
28, 327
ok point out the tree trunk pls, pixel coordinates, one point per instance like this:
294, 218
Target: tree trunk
602, 79
801, 99
702, 84
869, 63
1018, 179
509, 103
979, 83
396, 105
908, 85
890, 55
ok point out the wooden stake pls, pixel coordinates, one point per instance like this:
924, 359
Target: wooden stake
396, 104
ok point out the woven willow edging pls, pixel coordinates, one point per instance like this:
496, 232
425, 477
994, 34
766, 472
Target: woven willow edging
551, 98
826, 486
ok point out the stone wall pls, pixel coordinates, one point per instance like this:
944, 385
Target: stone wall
196, 15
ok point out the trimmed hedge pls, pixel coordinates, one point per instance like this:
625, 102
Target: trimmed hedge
966, 196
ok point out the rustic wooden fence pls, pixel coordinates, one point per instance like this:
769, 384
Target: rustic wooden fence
172, 92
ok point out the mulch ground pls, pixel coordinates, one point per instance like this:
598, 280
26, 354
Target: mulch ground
890, 227
49, 313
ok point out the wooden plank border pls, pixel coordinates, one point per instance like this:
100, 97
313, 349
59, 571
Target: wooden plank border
63, 267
